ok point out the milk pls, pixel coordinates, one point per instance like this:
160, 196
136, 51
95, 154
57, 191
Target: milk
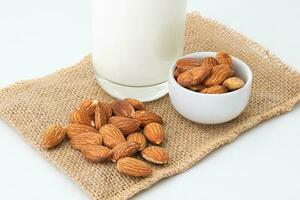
136, 41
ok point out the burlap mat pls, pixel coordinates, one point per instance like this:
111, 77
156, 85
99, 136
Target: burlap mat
31, 106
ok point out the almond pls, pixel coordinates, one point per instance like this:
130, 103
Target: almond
218, 75
96, 153
181, 69
88, 106
188, 62
209, 61
197, 88
224, 58
133, 167
138, 138
176, 74
126, 125
81, 117
137, 105
75, 129
124, 150
234, 83
107, 108
146, 117
122, 108
154, 133
111, 136
80, 140
194, 76
217, 89
100, 116
53, 136
155, 155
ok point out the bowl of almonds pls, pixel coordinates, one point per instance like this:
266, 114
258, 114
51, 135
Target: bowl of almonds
210, 87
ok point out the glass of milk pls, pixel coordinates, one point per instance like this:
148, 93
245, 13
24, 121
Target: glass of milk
134, 44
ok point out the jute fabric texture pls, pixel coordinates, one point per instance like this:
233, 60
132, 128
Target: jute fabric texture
31, 106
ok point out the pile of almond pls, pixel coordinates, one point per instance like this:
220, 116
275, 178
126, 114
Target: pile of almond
209, 75
114, 131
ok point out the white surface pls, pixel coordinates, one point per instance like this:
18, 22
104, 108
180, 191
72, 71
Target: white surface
209, 108
40, 37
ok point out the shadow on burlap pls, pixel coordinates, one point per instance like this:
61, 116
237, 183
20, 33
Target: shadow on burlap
31, 106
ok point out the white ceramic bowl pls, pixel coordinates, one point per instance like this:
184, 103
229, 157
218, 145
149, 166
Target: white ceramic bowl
211, 108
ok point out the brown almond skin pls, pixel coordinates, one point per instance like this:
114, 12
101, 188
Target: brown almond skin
154, 133
138, 138
100, 116
53, 136
125, 149
81, 117
217, 89
218, 75
122, 108
197, 88
111, 136
133, 167
125, 124
189, 62
88, 106
181, 69
210, 62
107, 108
176, 74
96, 153
224, 58
146, 117
75, 129
194, 76
137, 105
156, 155
83, 139
234, 83
186, 64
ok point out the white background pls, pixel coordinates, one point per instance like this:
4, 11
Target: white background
39, 37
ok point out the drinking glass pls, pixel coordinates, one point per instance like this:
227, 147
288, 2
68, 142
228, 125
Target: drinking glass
134, 44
